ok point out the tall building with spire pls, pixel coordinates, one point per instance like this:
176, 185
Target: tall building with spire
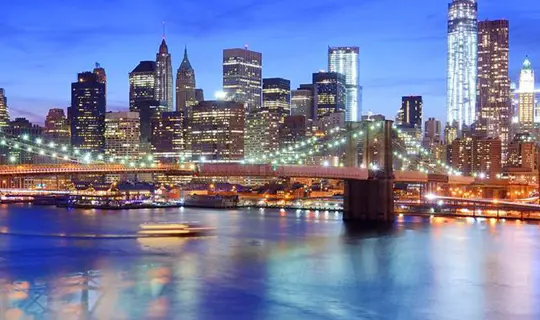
4, 116
526, 97
164, 75
462, 62
185, 86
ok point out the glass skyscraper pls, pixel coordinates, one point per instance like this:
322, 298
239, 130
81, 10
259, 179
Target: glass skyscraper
462, 62
4, 116
345, 60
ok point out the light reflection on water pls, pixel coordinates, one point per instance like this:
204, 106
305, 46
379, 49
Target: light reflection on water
268, 264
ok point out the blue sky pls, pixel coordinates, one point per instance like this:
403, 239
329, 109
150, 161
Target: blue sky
402, 44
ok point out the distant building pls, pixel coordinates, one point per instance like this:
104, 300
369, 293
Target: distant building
330, 121
168, 137
217, 131
242, 77
329, 93
100, 74
433, 129
143, 99
4, 115
477, 156
522, 152
122, 134
164, 76
22, 127
199, 95
87, 113
277, 96
302, 101
526, 97
345, 60
185, 86
262, 132
293, 130
493, 99
57, 127
462, 62
410, 113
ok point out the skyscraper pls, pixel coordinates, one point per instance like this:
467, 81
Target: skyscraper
87, 112
410, 114
302, 102
185, 86
329, 93
277, 96
142, 98
345, 60
100, 73
57, 127
493, 99
242, 77
462, 61
122, 134
217, 130
168, 142
4, 115
164, 76
526, 97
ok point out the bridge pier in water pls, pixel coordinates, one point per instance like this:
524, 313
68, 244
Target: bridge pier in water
371, 201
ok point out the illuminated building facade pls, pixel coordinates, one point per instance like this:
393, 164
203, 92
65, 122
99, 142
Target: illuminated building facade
302, 101
57, 127
18, 128
410, 113
4, 115
345, 60
522, 152
99, 71
329, 93
475, 155
526, 97
217, 131
168, 143
277, 96
199, 95
293, 131
185, 86
462, 62
122, 134
262, 132
87, 113
242, 77
493, 99
142, 98
164, 76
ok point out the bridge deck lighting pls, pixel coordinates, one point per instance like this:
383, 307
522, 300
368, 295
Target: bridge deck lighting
25, 137
39, 141
326, 163
430, 196
41, 152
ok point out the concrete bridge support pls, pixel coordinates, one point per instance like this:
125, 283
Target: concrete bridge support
371, 201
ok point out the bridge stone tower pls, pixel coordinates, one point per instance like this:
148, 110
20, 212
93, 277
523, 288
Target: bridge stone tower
371, 201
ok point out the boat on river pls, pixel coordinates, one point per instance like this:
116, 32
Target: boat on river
211, 201
172, 229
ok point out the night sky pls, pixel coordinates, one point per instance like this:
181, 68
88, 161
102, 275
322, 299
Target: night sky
402, 44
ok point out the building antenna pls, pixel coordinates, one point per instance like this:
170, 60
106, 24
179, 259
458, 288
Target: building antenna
163, 35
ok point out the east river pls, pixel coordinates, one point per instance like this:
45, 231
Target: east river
265, 264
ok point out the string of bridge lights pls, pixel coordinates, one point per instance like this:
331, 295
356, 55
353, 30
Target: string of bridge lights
65, 153
284, 156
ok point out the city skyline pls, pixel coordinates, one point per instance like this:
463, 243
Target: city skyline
422, 48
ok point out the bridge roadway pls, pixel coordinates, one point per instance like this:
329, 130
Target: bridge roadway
225, 170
